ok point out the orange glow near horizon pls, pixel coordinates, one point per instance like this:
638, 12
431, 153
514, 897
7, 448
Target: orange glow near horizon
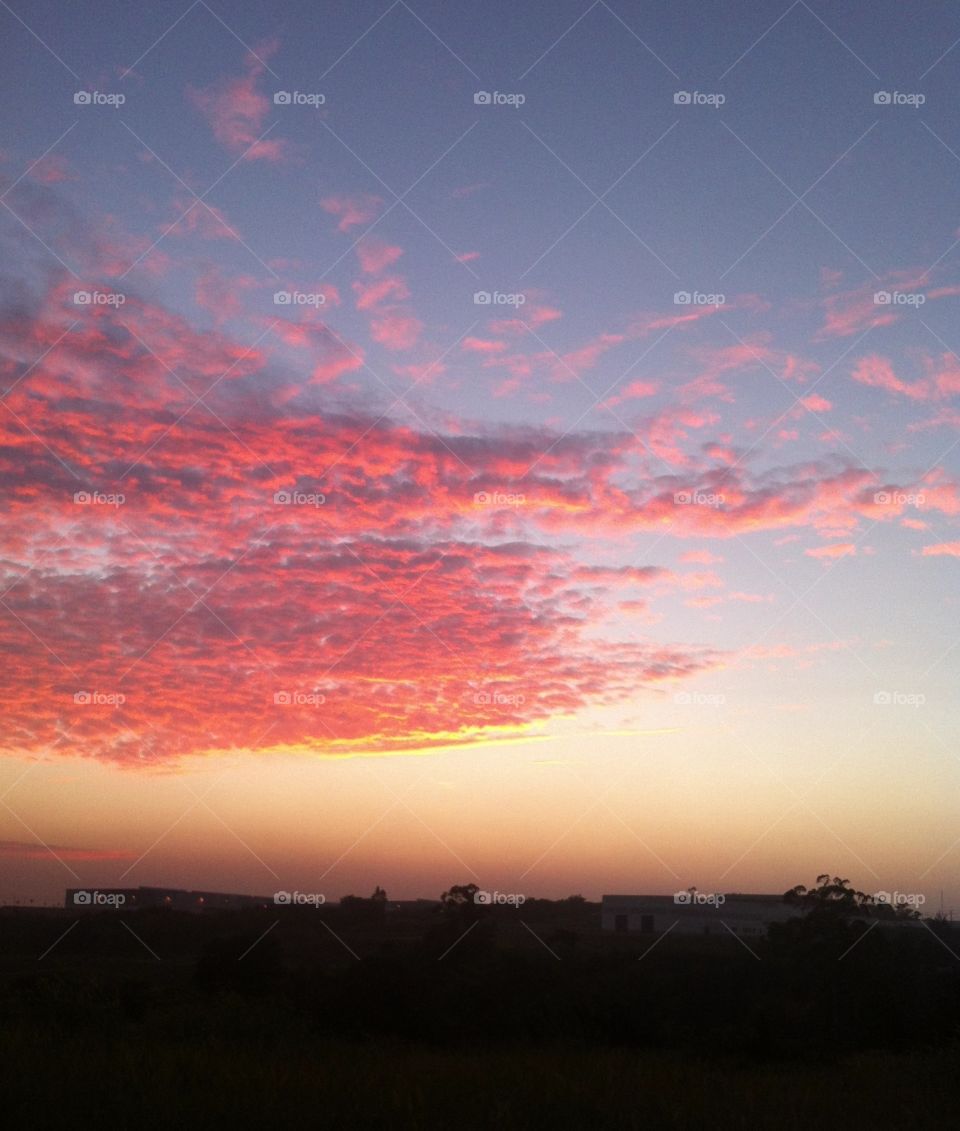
672, 812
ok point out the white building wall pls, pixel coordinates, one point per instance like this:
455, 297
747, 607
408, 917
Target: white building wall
658, 914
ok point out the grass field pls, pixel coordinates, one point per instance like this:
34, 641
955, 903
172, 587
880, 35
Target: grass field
214, 1081
102, 1032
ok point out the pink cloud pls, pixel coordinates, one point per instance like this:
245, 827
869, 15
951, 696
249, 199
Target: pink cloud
482, 345
534, 317
508, 604
834, 550
939, 493
634, 391
236, 111
951, 549
421, 372
335, 364
686, 316
328, 356
578, 361
816, 403
371, 295
220, 294
201, 220
53, 169
945, 375
747, 355
352, 210
701, 557
666, 431
719, 452
375, 256
402, 498
396, 331
852, 312
392, 324
877, 372
705, 580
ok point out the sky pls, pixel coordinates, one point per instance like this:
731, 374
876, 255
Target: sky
507, 443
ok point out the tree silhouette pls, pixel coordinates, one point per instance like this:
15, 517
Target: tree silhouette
835, 897
459, 896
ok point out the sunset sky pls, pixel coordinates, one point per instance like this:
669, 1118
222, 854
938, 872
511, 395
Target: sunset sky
504, 442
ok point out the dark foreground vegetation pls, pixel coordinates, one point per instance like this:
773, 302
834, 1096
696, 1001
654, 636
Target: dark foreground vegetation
472, 1017
239, 1080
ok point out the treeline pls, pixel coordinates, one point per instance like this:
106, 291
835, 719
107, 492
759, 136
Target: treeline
828, 983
